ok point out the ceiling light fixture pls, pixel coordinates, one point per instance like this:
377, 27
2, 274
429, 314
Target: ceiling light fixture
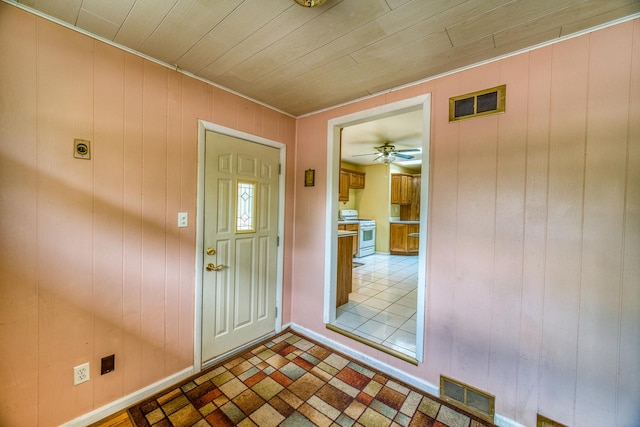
387, 158
310, 3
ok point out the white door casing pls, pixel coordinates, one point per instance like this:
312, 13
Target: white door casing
240, 270
334, 129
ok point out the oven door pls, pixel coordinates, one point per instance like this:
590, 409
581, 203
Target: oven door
367, 240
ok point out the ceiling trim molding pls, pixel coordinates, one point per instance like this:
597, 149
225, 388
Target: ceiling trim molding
478, 64
141, 55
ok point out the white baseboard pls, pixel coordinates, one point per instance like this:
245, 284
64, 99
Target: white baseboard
414, 381
288, 325
126, 401
502, 421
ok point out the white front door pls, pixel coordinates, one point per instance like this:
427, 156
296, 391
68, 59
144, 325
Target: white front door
240, 243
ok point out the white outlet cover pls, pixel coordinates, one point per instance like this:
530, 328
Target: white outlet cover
81, 373
183, 219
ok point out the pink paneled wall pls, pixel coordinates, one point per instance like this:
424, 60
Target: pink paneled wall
91, 259
533, 281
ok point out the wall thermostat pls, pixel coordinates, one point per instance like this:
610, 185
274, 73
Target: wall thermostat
81, 149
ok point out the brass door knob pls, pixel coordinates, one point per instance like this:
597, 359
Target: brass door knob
212, 267
211, 251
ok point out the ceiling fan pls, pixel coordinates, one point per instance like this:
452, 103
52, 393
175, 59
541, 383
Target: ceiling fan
387, 153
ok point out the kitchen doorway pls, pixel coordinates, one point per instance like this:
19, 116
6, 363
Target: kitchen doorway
383, 262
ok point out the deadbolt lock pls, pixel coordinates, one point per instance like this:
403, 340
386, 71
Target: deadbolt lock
211, 251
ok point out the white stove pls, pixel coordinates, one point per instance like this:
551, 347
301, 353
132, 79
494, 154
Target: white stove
366, 232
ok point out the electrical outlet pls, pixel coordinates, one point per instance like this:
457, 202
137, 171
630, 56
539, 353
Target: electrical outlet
183, 219
81, 373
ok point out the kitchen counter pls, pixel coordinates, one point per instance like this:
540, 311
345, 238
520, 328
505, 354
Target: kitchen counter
345, 233
403, 222
343, 221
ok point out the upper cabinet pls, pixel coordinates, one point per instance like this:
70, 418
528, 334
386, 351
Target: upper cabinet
343, 190
405, 191
356, 179
401, 188
349, 179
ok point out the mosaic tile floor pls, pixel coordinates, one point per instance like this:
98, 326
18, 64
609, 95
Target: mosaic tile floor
290, 381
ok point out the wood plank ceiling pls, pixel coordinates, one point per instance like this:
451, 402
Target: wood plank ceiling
300, 60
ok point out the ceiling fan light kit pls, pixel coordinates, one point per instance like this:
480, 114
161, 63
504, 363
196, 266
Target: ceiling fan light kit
310, 3
387, 153
387, 158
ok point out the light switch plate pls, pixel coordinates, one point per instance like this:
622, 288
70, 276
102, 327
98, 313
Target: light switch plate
183, 219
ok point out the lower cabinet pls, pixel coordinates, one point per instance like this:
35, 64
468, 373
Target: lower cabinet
413, 242
351, 227
345, 270
400, 241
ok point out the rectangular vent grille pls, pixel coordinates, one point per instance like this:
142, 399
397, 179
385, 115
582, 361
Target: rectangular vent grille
547, 422
468, 398
480, 103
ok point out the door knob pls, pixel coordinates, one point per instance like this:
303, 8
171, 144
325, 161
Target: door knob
212, 267
211, 251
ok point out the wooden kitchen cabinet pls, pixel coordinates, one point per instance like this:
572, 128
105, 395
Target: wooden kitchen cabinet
345, 270
351, 227
413, 243
395, 189
356, 179
349, 179
398, 238
411, 211
399, 241
343, 192
401, 188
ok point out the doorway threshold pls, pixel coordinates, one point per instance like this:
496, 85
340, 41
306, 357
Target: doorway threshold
373, 344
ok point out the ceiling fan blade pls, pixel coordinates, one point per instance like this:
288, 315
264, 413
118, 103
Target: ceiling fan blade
404, 156
368, 154
409, 150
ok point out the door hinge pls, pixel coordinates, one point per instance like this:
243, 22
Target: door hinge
276, 312
277, 240
279, 168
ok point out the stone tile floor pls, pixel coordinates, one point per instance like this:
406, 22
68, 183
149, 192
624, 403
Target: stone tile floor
291, 381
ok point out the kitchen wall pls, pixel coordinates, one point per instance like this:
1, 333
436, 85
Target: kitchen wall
533, 281
375, 202
92, 262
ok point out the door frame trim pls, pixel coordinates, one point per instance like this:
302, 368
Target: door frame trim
334, 127
203, 127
